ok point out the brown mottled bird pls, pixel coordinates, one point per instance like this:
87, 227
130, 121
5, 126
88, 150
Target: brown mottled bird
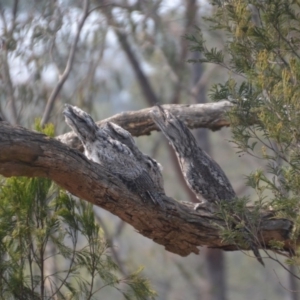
101, 146
202, 174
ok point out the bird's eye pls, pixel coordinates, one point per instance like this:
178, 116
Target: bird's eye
149, 164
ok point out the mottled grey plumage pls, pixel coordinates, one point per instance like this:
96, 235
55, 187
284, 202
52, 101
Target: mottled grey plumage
114, 155
151, 165
202, 174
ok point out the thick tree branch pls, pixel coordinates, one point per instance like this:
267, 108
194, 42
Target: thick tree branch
209, 115
179, 229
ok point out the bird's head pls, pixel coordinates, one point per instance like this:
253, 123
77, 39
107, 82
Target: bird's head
80, 122
167, 122
173, 128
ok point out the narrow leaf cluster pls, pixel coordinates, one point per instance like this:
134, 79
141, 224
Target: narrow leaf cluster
262, 56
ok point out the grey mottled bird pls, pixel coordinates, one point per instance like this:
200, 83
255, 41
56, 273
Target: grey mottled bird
202, 174
151, 165
101, 146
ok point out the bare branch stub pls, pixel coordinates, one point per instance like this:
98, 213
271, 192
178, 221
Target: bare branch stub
179, 229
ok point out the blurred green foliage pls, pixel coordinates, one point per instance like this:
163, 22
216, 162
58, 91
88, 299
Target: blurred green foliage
261, 54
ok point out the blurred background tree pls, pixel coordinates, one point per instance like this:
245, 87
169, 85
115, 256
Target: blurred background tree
112, 56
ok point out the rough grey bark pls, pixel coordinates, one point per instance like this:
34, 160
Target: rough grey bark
179, 228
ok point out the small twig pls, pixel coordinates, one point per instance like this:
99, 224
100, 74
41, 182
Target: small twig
275, 26
282, 265
68, 67
291, 291
110, 239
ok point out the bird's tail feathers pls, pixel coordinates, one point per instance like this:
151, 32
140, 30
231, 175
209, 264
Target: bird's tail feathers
253, 246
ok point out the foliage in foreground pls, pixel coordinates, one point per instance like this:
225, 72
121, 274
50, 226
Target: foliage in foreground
51, 247
262, 56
